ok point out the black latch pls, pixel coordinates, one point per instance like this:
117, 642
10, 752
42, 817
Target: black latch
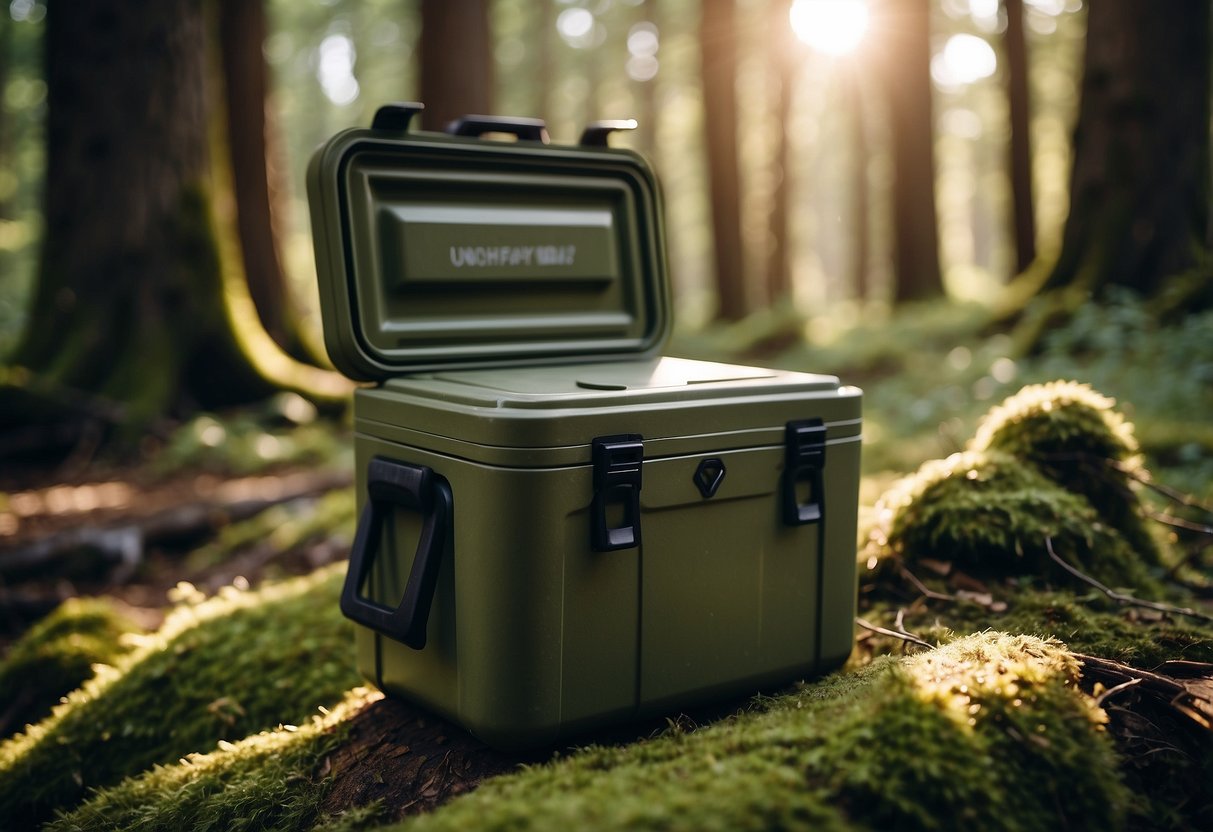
805, 459
617, 468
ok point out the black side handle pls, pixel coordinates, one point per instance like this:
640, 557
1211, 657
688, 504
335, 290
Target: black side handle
528, 129
596, 132
415, 487
396, 116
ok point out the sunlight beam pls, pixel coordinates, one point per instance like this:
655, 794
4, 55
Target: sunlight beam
835, 27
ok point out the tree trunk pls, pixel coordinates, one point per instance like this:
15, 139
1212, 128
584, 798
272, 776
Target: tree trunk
545, 59
646, 93
1139, 194
859, 185
456, 60
128, 306
242, 32
1021, 126
781, 69
718, 48
6, 59
905, 62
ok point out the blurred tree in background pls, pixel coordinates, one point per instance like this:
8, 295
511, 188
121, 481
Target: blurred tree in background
826, 158
1139, 209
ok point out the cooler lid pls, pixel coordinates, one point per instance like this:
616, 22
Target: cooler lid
441, 250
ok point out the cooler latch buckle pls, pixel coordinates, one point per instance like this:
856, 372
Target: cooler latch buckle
805, 459
615, 512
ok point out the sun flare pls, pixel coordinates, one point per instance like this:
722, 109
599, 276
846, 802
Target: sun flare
835, 27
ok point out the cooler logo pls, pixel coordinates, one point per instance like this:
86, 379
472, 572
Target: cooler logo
463, 257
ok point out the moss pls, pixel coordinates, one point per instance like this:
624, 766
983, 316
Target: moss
58, 654
271, 780
1074, 436
991, 514
989, 731
1165, 762
1089, 623
219, 669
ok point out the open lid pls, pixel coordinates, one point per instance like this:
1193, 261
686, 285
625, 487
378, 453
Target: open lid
443, 250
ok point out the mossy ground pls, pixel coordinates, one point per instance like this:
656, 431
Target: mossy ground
219, 669
990, 730
57, 655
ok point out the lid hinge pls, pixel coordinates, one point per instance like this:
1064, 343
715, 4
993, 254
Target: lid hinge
805, 459
617, 472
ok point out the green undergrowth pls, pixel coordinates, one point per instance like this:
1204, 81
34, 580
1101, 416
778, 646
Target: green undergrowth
283, 527
218, 669
270, 780
285, 430
57, 655
988, 732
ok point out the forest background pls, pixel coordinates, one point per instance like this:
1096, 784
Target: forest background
938, 201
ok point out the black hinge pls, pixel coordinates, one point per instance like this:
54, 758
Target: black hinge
617, 468
805, 459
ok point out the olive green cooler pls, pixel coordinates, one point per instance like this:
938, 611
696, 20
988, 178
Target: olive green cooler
559, 527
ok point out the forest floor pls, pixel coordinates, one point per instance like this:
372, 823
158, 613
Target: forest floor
233, 531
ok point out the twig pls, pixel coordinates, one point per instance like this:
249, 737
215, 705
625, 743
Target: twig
1172, 494
912, 639
1120, 597
1179, 522
921, 587
1115, 689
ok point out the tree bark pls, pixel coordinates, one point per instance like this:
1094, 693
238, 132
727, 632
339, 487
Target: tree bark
859, 185
718, 49
6, 59
1139, 194
905, 63
1019, 101
456, 54
128, 305
242, 33
781, 69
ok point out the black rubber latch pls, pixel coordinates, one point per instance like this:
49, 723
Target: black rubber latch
618, 462
804, 462
708, 476
397, 116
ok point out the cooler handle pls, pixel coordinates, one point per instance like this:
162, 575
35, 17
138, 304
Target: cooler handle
390, 484
530, 129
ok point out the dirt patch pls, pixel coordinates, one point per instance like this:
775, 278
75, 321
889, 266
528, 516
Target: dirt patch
409, 761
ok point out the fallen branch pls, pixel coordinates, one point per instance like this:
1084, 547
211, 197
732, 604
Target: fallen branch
903, 636
921, 587
124, 544
1120, 597
1191, 696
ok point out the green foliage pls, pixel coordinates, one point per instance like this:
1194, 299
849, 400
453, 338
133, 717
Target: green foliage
988, 731
57, 655
270, 780
219, 669
284, 431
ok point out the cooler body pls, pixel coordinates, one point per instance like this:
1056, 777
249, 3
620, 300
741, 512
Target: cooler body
620, 539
